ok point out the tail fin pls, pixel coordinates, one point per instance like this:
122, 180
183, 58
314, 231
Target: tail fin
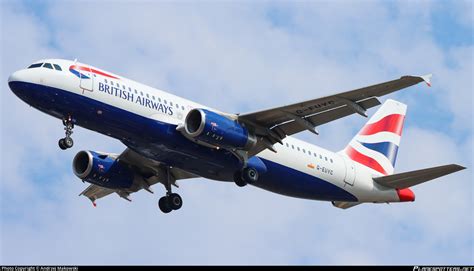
376, 145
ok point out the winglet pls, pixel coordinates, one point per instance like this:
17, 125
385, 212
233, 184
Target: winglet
427, 79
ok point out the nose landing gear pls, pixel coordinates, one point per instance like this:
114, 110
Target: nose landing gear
67, 142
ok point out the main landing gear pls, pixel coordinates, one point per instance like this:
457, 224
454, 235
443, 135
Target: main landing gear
171, 201
247, 175
67, 142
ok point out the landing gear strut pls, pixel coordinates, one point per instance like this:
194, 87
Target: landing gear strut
67, 142
171, 201
247, 175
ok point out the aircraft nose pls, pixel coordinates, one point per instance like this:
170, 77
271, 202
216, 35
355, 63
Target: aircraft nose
16, 81
14, 77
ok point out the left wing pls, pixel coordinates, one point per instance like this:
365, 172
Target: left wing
272, 125
149, 172
94, 192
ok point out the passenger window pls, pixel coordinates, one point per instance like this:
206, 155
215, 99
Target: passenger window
287, 145
304, 151
165, 102
325, 158
105, 80
293, 147
159, 99
182, 107
47, 65
177, 106
171, 103
136, 92
112, 83
148, 96
141, 93
309, 152
330, 160
37, 65
130, 89
57, 67
153, 97
124, 87
320, 157
315, 155
298, 148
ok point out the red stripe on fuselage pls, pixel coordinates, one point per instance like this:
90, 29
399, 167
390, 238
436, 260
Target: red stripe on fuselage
87, 69
364, 160
391, 123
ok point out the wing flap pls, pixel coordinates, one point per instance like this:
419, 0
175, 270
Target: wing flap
323, 117
94, 192
344, 204
412, 178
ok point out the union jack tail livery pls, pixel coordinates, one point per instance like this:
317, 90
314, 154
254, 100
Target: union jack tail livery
376, 145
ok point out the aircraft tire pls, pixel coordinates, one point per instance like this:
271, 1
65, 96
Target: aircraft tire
250, 175
238, 179
175, 201
164, 205
61, 144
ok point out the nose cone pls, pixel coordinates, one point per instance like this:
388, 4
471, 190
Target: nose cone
17, 79
405, 194
14, 77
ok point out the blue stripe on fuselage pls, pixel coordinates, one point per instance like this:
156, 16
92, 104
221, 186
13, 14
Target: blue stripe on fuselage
291, 182
388, 149
162, 142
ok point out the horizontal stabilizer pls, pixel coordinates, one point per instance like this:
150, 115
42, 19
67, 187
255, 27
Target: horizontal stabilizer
408, 179
345, 204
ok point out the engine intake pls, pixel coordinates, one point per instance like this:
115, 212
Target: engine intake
218, 130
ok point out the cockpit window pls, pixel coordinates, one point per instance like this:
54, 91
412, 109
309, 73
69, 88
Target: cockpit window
57, 67
47, 65
36, 65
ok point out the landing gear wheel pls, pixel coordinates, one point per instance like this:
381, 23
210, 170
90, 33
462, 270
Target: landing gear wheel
164, 205
61, 144
171, 201
68, 142
250, 175
175, 201
238, 180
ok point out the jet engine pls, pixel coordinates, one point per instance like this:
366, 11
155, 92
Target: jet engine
218, 130
102, 169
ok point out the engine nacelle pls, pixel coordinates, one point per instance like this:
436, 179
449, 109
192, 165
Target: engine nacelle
218, 130
102, 169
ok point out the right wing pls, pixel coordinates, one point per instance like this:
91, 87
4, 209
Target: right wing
149, 172
272, 125
411, 178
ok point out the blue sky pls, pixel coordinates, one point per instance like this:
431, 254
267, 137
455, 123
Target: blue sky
239, 57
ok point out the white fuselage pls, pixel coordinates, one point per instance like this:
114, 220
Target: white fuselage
158, 105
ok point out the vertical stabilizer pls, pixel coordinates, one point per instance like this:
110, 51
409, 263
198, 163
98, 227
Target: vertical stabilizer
376, 144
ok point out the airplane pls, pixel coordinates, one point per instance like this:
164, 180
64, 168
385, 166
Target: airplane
169, 138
